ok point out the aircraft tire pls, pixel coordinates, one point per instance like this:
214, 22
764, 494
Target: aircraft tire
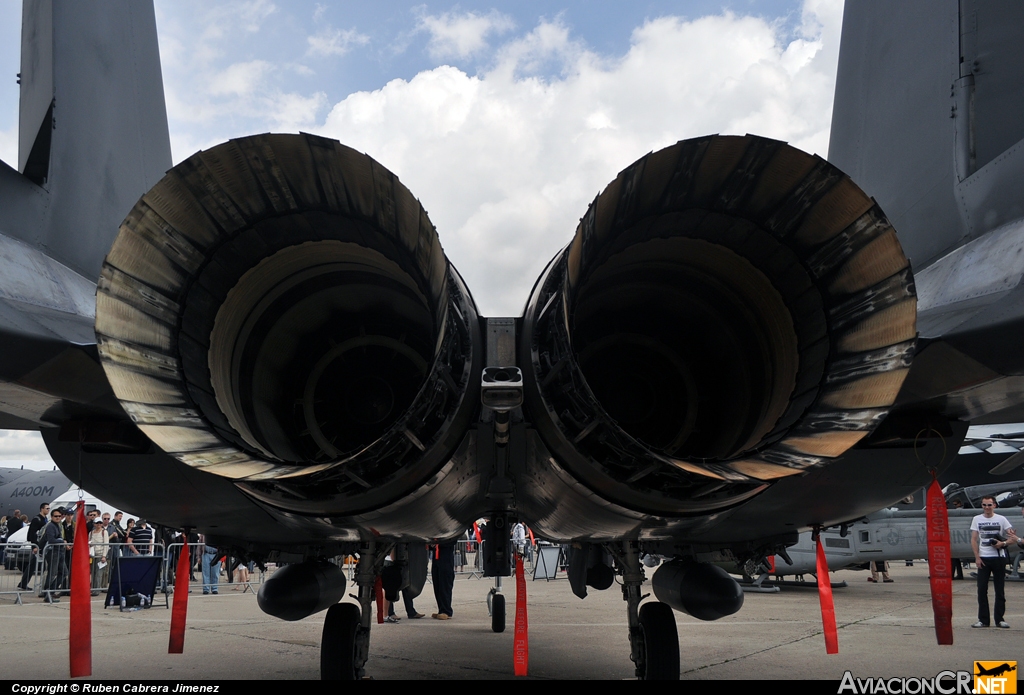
338, 643
661, 643
498, 613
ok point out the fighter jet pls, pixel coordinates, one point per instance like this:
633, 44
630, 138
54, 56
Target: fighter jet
724, 354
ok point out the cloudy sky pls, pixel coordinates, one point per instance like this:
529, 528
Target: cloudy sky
504, 119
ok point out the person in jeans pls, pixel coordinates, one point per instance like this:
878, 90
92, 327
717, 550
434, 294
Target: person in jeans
34, 528
990, 533
211, 568
52, 547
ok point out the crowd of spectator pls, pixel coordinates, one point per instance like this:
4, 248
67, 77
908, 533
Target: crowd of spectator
52, 533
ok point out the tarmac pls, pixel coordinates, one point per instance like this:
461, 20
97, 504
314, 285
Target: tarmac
885, 630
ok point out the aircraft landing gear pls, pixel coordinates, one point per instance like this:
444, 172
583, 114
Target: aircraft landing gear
497, 562
653, 639
496, 606
345, 643
660, 643
339, 650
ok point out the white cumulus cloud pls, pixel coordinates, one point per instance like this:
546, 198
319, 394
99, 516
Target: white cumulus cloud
211, 95
460, 35
335, 42
240, 79
226, 17
507, 161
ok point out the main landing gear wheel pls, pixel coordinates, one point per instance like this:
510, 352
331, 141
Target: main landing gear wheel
653, 640
338, 644
498, 613
660, 643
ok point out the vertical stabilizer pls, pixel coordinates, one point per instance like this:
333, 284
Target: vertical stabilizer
35, 115
928, 116
93, 126
891, 126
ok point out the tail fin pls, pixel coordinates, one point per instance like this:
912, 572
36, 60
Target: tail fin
891, 126
928, 117
93, 126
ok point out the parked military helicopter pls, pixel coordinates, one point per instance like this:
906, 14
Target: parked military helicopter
886, 535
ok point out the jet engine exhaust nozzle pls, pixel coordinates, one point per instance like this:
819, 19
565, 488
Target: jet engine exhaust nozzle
731, 311
278, 310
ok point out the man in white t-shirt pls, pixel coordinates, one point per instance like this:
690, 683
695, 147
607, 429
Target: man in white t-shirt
989, 538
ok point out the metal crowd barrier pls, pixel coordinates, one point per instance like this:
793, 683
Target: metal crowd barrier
16, 556
468, 559
168, 576
50, 572
54, 569
195, 551
256, 575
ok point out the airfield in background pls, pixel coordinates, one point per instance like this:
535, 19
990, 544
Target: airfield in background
884, 630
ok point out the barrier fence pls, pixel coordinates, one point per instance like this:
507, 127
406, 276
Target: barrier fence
469, 559
19, 564
206, 569
53, 572
47, 575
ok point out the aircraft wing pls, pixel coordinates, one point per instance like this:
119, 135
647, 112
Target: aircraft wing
50, 369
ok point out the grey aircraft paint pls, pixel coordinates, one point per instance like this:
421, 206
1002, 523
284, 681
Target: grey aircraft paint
93, 138
26, 490
887, 535
928, 119
282, 356
60, 218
